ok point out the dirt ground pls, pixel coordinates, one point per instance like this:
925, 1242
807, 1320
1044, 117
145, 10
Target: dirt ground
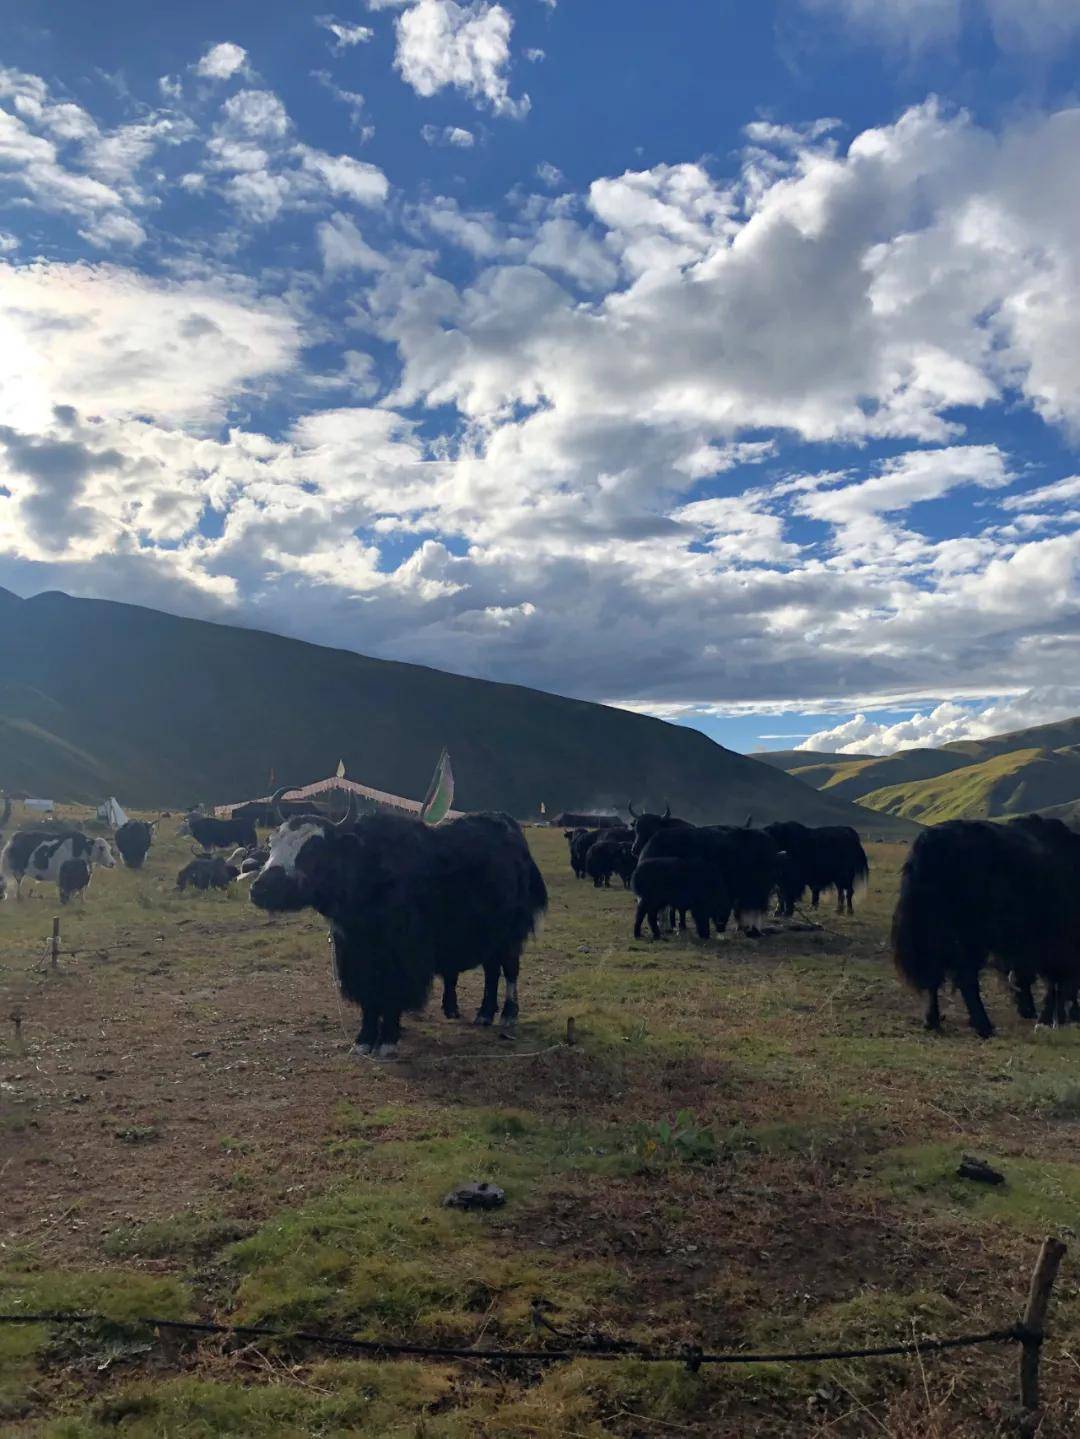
752, 1144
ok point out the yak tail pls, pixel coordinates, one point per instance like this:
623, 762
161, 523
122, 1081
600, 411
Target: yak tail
920, 921
538, 895
862, 871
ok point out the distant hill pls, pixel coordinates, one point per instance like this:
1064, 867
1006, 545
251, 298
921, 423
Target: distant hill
99, 698
792, 759
1005, 784
852, 777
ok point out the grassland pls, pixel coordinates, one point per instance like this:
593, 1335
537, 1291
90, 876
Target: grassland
184, 1133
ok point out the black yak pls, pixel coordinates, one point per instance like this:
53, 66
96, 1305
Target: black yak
746, 860
207, 871
584, 840
607, 857
72, 879
407, 901
211, 833
646, 825
684, 886
971, 890
133, 840
818, 858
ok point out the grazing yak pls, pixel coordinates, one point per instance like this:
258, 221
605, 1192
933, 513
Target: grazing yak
684, 886
971, 890
582, 841
207, 871
646, 825
746, 860
133, 840
211, 833
407, 901
818, 858
73, 879
607, 857
38, 854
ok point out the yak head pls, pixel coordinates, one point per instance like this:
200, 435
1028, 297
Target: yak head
133, 840
305, 864
646, 825
100, 853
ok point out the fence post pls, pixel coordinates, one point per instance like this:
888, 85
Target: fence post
1042, 1282
54, 947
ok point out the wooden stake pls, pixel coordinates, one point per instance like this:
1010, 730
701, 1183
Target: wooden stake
54, 948
571, 1037
1042, 1282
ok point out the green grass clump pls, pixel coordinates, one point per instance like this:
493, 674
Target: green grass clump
337, 1399
1035, 1195
184, 1236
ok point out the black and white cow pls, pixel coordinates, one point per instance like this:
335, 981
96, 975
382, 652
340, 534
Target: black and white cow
19, 859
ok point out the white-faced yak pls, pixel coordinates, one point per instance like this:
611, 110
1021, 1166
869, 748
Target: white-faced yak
407, 901
972, 890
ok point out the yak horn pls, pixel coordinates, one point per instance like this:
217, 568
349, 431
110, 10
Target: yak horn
346, 819
633, 811
276, 796
667, 810
749, 820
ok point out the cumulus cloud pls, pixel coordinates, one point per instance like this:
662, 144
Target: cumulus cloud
947, 723
441, 44
222, 61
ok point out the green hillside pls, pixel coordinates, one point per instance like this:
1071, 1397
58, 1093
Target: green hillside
104, 698
852, 777
1005, 784
1062, 734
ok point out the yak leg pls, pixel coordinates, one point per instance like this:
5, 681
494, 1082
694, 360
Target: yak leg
978, 1018
839, 898
449, 997
701, 922
1074, 1007
1025, 1000
639, 917
933, 1011
510, 968
389, 1033
815, 895
486, 1013
850, 888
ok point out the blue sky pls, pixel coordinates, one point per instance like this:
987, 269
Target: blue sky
714, 360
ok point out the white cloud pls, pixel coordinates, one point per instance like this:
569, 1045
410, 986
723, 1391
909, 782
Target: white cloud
343, 247
947, 723
442, 44
551, 175
452, 135
258, 114
535, 55
345, 36
8, 243
222, 61
352, 99
1015, 24
346, 177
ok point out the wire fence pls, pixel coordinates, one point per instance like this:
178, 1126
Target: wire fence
1028, 1333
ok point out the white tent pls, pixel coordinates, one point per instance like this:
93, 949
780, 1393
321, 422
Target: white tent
111, 813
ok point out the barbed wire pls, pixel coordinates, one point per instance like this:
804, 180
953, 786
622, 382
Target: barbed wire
693, 1356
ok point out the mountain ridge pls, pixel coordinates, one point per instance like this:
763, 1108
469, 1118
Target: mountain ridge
99, 697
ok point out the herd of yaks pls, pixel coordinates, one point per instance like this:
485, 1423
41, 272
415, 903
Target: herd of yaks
407, 902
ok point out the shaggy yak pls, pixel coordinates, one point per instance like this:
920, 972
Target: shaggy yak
680, 885
827, 856
133, 840
747, 862
608, 857
646, 825
205, 872
407, 901
971, 890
